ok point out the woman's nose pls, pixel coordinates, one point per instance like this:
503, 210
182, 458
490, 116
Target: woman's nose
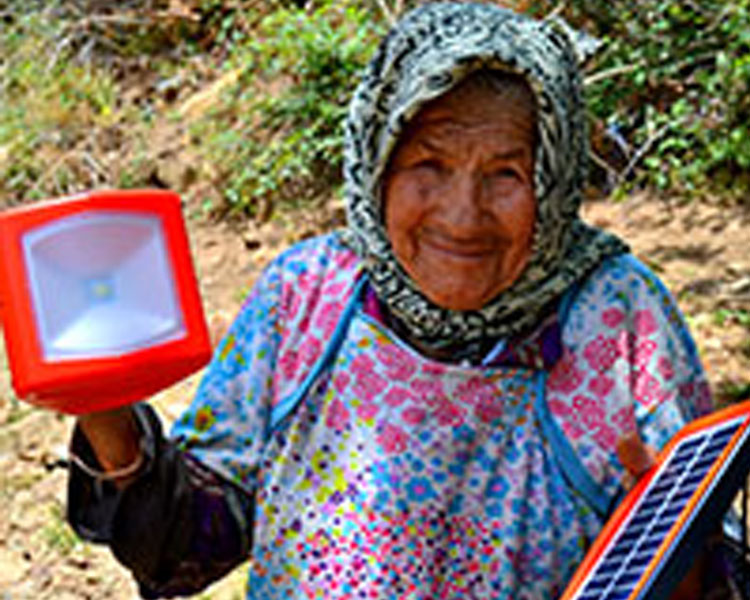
461, 206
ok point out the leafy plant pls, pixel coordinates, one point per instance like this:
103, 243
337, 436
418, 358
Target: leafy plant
278, 134
58, 535
671, 89
723, 316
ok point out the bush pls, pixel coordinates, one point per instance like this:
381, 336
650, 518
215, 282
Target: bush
79, 91
277, 136
46, 105
673, 89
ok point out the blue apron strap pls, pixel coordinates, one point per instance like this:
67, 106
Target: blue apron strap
573, 470
325, 360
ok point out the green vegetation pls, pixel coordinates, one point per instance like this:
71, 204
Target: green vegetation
48, 104
277, 134
87, 96
724, 315
58, 535
673, 85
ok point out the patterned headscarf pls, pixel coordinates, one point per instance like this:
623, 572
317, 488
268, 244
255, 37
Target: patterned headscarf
426, 54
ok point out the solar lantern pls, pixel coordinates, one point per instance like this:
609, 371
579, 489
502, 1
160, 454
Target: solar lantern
99, 300
652, 538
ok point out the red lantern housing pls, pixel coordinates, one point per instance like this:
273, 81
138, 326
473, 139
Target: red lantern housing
99, 300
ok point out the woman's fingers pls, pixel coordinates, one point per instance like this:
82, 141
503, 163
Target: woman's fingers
635, 455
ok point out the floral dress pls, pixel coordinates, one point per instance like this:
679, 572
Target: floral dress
376, 472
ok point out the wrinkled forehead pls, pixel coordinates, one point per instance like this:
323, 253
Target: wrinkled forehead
434, 48
485, 110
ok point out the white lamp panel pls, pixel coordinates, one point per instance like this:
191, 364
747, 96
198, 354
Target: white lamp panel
101, 285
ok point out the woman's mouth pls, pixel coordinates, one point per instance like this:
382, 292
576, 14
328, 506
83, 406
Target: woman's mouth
464, 247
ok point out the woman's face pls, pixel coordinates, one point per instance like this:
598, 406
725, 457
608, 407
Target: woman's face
459, 196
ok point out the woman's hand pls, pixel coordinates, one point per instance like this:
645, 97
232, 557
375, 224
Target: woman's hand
638, 457
114, 437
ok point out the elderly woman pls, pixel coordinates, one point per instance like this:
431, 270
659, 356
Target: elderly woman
428, 404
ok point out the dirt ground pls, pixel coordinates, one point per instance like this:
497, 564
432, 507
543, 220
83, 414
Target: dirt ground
698, 249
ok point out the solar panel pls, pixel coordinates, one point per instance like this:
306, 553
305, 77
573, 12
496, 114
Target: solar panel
651, 539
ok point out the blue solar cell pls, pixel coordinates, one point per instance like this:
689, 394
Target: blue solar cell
648, 546
674, 509
620, 550
653, 503
690, 444
660, 528
680, 456
692, 481
640, 519
600, 582
704, 464
662, 487
633, 534
682, 496
726, 431
627, 579
640, 561
716, 445
635, 545
609, 566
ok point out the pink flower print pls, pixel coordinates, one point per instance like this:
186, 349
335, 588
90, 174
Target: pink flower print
489, 409
429, 389
601, 353
305, 282
343, 259
288, 363
433, 369
341, 381
393, 439
606, 437
449, 414
665, 368
413, 415
646, 388
705, 401
335, 289
571, 430
327, 319
560, 409
310, 350
398, 364
565, 376
590, 412
698, 394
369, 385
337, 417
367, 410
362, 364
625, 342
396, 396
471, 390
643, 352
304, 323
624, 419
293, 301
644, 323
612, 317
601, 386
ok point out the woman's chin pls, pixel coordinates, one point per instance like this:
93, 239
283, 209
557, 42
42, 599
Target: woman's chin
463, 296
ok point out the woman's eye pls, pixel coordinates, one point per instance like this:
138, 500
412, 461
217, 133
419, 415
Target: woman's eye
428, 165
505, 173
